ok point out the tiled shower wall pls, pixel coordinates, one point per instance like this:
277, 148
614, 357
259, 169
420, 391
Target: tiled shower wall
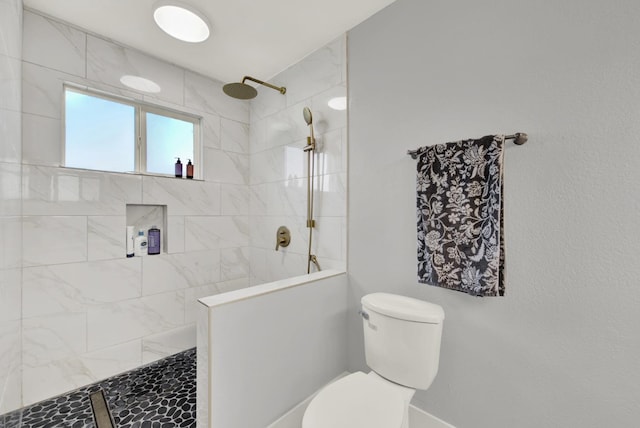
278, 172
87, 311
10, 207
73, 309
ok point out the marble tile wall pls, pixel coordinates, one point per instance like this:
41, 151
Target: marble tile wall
278, 167
87, 311
73, 309
10, 204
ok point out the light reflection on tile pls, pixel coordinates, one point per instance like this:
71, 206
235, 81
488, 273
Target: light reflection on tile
331, 151
329, 119
107, 62
286, 126
63, 191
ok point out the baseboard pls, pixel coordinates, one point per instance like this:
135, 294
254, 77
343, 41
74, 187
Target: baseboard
418, 418
293, 418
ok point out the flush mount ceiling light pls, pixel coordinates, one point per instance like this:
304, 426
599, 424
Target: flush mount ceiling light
181, 21
338, 103
140, 83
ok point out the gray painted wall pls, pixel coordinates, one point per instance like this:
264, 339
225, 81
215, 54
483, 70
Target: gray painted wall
560, 350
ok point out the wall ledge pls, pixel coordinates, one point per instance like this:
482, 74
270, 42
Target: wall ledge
269, 287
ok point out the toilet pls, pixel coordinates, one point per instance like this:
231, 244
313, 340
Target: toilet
402, 348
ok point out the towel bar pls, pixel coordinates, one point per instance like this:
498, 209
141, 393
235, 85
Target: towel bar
519, 138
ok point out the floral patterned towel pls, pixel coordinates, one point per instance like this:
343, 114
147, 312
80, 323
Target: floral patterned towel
460, 224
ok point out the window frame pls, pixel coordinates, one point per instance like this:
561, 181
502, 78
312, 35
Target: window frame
140, 143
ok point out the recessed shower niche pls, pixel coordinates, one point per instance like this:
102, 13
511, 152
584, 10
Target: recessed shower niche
144, 217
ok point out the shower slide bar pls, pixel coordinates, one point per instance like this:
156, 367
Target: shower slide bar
519, 138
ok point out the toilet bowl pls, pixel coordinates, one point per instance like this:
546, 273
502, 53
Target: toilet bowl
402, 347
359, 400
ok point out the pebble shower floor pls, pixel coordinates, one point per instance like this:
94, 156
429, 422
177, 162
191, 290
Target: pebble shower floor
159, 395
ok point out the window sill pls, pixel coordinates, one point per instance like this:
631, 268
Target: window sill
141, 174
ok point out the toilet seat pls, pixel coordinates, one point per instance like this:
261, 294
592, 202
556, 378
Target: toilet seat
356, 401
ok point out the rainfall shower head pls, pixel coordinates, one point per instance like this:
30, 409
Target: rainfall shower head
308, 117
242, 91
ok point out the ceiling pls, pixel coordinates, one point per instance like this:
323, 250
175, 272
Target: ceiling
249, 37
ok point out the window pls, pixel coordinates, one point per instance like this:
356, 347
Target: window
108, 133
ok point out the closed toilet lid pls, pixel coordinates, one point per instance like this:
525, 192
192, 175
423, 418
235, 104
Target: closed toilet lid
355, 401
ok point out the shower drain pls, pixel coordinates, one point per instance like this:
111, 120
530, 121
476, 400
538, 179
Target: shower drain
101, 414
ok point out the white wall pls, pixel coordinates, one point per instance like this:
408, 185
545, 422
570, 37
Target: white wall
560, 349
88, 312
278, 173
10, 207
265, 349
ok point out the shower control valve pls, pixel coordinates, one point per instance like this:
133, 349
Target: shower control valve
283, 237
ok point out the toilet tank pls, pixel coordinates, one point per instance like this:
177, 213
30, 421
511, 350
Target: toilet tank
402, 338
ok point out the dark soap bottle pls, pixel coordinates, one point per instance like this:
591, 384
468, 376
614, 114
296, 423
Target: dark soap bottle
153, 240
189, 169
178, 168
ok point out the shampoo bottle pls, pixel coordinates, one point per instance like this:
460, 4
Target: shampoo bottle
141, 244
153, 238
178, 168
189, 169
130, 243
